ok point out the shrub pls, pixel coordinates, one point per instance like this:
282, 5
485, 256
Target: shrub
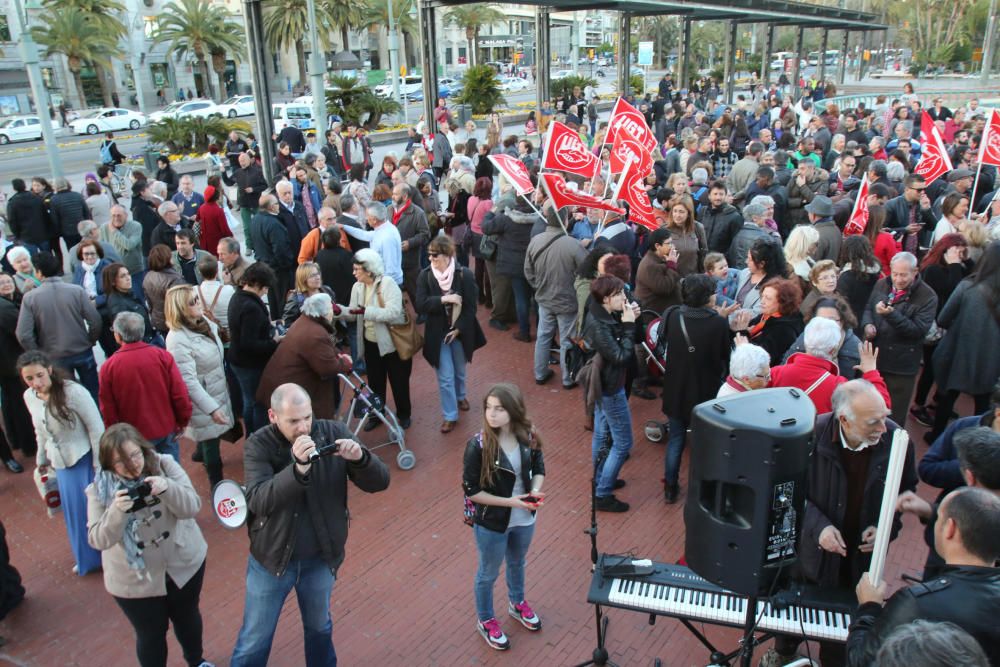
192, 134
356, 103
481, 89
563, 87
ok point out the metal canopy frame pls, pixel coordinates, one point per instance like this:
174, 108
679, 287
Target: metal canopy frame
774, 13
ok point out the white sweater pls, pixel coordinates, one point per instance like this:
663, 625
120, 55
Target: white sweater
61, 445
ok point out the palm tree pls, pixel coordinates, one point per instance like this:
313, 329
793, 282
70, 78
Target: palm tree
377, 17
472, 18
286, 25
201, 29
72, 33
105, 14
346, 14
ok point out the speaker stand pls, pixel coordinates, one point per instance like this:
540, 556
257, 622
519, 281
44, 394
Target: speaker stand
600, 654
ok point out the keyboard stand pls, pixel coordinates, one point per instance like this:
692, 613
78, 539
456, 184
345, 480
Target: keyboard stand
748, 642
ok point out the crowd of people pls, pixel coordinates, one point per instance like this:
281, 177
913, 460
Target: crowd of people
748, 272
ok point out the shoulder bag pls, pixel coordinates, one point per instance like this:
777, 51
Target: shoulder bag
406, 338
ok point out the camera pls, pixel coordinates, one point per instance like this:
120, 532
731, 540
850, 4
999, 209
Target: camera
323, 449
141, 496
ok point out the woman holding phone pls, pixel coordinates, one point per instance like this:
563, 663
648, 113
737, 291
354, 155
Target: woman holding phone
503, 473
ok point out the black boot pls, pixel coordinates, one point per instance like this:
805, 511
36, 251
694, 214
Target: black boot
670, 493
214, 471
196, 456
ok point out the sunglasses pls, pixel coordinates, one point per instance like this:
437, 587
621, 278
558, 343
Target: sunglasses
433, 255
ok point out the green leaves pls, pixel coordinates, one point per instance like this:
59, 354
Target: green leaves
564, 86
356, 103
192, 134
481, 89
75, 34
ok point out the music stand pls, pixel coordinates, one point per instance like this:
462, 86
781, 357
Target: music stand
600, 655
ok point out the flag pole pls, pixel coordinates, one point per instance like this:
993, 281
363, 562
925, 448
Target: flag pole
541, 182
975, 184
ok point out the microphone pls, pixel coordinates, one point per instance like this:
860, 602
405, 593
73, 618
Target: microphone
155, 541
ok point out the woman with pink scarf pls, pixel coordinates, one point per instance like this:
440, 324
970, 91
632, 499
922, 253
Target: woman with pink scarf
446, 296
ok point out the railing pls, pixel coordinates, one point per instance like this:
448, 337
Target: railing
951, 98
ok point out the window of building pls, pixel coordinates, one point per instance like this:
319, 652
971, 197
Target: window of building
149, 26
4, 29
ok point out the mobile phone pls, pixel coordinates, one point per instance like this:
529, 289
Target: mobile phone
531, 500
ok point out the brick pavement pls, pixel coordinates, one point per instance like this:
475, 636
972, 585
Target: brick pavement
404, 595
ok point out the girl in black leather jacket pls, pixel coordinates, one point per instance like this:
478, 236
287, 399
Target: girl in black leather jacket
503, 472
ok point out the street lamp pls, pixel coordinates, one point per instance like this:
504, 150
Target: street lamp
317, 67
394, 59
138, 26
29, 54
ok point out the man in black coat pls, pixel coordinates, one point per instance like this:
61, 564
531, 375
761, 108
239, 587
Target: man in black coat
28, 219
292, 214
292, 136
414, 233
910, 215
250, 185
844, 498
170, 223
721, 220
67, 209
965, 593
144, 213
270, 237
898, 316
166, 174
764, 184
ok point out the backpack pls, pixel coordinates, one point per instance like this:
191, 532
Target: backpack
106, 153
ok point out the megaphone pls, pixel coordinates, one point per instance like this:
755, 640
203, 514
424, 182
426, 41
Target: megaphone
229, 503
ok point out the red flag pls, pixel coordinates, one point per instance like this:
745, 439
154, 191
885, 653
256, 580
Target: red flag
625, 151
626, 119
514, 171
859, 216
934, 160
565, 151
631, 190
989, 149
562, 196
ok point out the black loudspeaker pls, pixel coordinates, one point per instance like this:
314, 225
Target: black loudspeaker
747, 486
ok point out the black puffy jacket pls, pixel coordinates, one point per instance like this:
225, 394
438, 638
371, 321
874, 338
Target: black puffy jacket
615, 341
493, 517
28, 219
66, 209
721, 225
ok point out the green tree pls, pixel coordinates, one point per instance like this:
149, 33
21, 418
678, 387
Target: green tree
198, 28
481, 89
347, 14
664, 31
564, 86
376, 17
105, 15
472, 18
356, 103
286, 24
182, 135
72, 32
933, 28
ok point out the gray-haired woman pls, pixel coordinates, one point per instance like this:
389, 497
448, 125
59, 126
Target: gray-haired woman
377, 302
749, 369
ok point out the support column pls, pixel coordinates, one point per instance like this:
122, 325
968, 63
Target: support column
684, 61
428, 60
797, 68
991, 22
317, 66
842, 70
257, 59
821, 64
765, 77
729, 71
624, 51
543, 55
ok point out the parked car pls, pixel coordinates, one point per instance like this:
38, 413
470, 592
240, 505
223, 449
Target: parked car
106, 119
238, 105
407, 86
22, 128
562, 74
447, 87
512, 84
196, 108
292, 113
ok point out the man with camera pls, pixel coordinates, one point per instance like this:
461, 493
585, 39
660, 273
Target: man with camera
296, 491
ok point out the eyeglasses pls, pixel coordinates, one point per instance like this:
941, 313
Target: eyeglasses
135, 456
917, 189
433, 255
89, 254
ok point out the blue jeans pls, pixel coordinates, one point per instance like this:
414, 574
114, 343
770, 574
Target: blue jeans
266, 593
451, 378
612, 427
522, 303
254, 414
494, 547
675, 449
352, 340
168, 445
547, 322
84, 367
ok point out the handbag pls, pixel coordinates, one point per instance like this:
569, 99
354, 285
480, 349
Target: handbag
406, 338
488, 247
235, 433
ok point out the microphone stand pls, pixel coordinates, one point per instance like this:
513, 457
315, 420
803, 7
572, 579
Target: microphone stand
600, 655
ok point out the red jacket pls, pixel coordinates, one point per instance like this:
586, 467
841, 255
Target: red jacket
886, 247
802, 370
141, 384
214, 227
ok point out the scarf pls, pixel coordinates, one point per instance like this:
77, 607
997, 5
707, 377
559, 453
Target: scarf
107, 484
445, 277
89, 280
398, 213
757, 328
736, 384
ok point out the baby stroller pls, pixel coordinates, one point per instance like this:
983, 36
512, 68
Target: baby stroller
366, 404
656, 358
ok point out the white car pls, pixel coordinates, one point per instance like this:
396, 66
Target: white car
95, 121
562, 74
238, 105
22, 128
512, 84
407, 86
197, 108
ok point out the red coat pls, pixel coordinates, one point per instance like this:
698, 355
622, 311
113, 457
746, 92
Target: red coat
214, 227
141, 384
802, 370
886, 246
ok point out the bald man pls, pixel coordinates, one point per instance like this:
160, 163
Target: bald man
296, 490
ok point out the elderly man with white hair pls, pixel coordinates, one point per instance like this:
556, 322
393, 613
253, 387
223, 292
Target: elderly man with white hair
815, 371
749, 369
898, 316
382, 238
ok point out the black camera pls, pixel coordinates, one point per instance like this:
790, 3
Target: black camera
323, 449
141, 496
